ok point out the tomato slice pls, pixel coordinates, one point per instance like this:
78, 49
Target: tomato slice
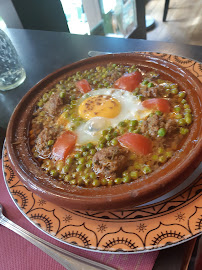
83, 86
136, 143
159, 104
129, 81
64, 145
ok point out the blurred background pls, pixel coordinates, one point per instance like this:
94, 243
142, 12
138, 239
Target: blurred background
118, 18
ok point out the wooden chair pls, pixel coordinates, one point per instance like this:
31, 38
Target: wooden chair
45, 15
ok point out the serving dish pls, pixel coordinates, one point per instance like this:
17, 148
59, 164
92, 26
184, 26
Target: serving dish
151, 186
163, 223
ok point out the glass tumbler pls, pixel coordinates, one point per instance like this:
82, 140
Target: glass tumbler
12, 74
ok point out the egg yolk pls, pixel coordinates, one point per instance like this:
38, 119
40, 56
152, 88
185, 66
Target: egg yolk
100, 105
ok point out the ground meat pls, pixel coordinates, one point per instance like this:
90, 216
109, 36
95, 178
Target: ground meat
171, 126
153, 123
44, 136
151, 92
53, 104
110, 162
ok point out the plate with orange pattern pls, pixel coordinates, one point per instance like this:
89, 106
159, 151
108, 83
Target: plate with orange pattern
164, 222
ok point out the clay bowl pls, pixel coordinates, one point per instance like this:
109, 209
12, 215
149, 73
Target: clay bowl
147, 188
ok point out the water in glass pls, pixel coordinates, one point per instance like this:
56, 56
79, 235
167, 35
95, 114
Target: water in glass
12, 74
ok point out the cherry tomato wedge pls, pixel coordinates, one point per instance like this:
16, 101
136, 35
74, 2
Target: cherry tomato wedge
159, 104
64, 145
136, 143
129, 81
83, 86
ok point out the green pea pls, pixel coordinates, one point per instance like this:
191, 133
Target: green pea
50, 142
62, 94
110, 182
45, 97
188, 119
150, 84
146, 169
186, 106
177, 108
115, 134
145, 82
104, 132
79, 168
54, 173
183, 101
126, 179
73, 182
92, 151
131, 129
81, 160
122, 124
69, 161
178, 116
160, 150
155, 157
40, 103
172, 86
137, 131
114, 142
42, 113
83, 148
125, 173
118, 181
92, 175
158, 113
162, 159
89, 164
108, 137
134, 174
96, 183
65, 169
174, 91
162, 132
66, 115
67, 178
103, 140
80, 182
110, 129
140, 97
184, 131
101, 145
182, 122
103, 182
169, 154
90, 146
182, 94
187, 110
87, 182
78, 155
74, 175
133, 123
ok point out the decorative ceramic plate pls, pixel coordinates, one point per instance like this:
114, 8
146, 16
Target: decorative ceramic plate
155, 225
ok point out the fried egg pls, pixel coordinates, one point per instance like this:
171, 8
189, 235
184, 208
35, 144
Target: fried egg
106, 107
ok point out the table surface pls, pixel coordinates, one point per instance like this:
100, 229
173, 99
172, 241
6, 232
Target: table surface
42, 52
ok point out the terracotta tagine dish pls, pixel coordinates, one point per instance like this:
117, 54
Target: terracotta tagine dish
108, 132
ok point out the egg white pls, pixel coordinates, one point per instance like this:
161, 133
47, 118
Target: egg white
131, 108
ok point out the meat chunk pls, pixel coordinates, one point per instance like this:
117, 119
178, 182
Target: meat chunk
153, 123
53, 104
44, 136
110, 162
151, 92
